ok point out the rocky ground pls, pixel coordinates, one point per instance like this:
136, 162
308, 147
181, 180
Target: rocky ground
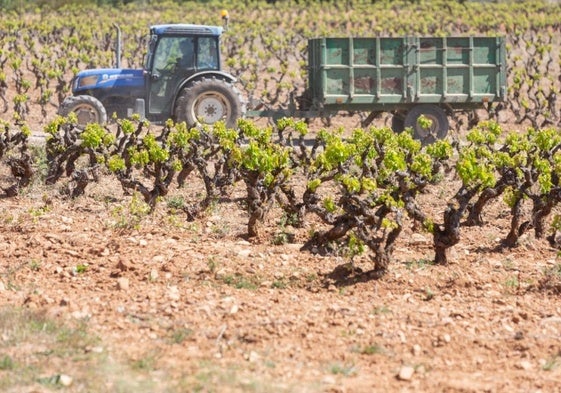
153, 303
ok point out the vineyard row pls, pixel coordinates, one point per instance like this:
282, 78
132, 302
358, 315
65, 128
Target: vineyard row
365, 187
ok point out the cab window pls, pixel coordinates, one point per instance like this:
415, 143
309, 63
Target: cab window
207, 53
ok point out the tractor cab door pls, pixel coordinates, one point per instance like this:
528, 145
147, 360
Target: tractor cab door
172, 59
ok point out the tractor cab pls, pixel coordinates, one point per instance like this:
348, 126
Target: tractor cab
177, 53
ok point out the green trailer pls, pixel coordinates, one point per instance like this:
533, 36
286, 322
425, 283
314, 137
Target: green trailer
409, 77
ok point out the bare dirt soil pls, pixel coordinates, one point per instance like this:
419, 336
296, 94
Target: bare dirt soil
176, 306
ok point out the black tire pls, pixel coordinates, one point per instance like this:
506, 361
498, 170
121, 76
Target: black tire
207, 101
439, 123
88, 109
398, 122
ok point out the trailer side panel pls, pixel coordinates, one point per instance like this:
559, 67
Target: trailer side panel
385, 72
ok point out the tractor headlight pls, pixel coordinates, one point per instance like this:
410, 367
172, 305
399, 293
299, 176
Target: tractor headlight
87, 80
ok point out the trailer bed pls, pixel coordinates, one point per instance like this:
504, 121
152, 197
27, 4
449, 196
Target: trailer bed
381, 73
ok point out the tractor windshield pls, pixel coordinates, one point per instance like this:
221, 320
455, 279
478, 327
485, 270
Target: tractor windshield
186, 53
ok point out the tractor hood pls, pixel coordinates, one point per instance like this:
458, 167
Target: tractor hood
110, 78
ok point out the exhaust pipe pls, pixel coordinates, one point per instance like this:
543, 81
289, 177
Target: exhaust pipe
118, 47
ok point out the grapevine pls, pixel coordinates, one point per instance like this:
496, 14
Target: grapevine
362, 185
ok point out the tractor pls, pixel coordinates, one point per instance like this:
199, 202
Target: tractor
181, 80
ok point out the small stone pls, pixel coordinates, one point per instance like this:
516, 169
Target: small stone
447, 321
508, 328
417, 349
173, 293
329, 380
153, 275
493, 294
96, 349
80, 314
417, 238
221, 274
123, 284
406, 373
66, 220
158, 259
253, 357
65, 380
2, 286
525, 365
244, 253
446, 338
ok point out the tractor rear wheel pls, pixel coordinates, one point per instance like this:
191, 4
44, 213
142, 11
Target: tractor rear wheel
88, 109
207, 101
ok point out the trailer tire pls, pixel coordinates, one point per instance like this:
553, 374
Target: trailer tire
206, 101
398, 122
88, 109
439, 123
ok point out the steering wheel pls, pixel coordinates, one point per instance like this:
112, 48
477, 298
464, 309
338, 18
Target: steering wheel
169, 69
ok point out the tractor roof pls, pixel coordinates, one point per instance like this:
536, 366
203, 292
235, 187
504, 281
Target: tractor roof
186, 29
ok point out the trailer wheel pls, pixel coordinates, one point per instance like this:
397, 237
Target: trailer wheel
207, 101
438, 128
88, 109
398, 122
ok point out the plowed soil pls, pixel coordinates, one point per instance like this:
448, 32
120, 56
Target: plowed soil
177, 306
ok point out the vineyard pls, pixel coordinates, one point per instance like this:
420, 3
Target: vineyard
287, 255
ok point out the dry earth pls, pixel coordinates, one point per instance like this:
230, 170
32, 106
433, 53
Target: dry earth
164, 305
96, 297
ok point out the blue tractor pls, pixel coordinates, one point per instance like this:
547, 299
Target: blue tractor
181, 80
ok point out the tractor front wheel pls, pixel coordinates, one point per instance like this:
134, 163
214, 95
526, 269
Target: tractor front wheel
88, 109
207, 101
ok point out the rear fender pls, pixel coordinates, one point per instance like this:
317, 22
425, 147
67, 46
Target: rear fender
200, 75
